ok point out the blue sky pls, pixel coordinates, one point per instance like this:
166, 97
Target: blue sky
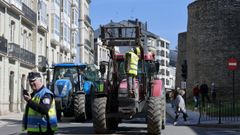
165, 18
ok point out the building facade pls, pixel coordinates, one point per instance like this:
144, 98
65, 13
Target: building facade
212, 37
86, 34
34, 34
163, 57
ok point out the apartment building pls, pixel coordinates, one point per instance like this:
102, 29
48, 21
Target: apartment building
34, 34
86, 33
163, 56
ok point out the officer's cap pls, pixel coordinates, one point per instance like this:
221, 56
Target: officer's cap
32, 76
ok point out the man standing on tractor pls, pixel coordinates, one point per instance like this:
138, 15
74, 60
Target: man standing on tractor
131, 66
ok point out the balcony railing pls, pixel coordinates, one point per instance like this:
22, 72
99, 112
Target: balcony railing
87, 18
14, 51
27, 56
29, 13
3, 45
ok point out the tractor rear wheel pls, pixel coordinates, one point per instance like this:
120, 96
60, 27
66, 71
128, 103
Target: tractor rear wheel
79, 108
99, 106
154, 118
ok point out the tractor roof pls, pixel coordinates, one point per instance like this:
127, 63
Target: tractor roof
70, 65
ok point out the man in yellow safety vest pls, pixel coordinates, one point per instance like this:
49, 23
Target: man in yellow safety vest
131, 65
40, 114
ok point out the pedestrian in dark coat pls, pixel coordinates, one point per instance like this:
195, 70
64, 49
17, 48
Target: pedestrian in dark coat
204, 93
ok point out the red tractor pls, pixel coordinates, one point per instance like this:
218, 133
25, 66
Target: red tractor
113, 103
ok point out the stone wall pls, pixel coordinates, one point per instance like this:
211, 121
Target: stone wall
213, 36
182, 39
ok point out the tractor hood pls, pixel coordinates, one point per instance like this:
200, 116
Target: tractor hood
62, 87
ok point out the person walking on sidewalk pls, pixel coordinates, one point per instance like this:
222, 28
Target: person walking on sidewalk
196, 94
180, 105
40, 114
204, 93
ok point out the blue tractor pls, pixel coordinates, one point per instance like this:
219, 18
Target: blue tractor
73, 90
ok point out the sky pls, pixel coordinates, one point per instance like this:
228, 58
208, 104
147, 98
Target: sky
165, 18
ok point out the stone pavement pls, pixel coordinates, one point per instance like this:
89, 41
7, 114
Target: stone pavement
193, 120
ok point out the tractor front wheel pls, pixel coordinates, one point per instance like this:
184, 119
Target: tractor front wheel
99, 106
154, 118
79, 107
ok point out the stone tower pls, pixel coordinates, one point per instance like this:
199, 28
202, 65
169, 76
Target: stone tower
213, 36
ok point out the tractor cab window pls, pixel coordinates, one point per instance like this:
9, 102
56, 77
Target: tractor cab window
122, 72
65, 72
91, 73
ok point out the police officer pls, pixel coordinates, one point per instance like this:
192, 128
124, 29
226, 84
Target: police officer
131, 65
40, 114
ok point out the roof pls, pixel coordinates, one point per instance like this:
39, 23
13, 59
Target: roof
70, 65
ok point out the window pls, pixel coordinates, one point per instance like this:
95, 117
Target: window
40, 45
158, 52
43, 11
162, 53
24, 37
162, 44
56, 25
167, 82
167, 73
162, 72
167, 45
65, 31
167, 55
12, 30
30, 45
162, 63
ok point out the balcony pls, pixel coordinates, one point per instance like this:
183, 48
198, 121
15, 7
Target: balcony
14, 50
27, 57
3, 45
87, 20
42, 21
17, 53
29, 14
4, 3
16, 5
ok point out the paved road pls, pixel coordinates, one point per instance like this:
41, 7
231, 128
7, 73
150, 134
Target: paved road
133, 127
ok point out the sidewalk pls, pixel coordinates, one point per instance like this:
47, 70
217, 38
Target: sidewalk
11, 117
193, 120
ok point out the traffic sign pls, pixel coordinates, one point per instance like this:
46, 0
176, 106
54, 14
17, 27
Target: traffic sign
232, 64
